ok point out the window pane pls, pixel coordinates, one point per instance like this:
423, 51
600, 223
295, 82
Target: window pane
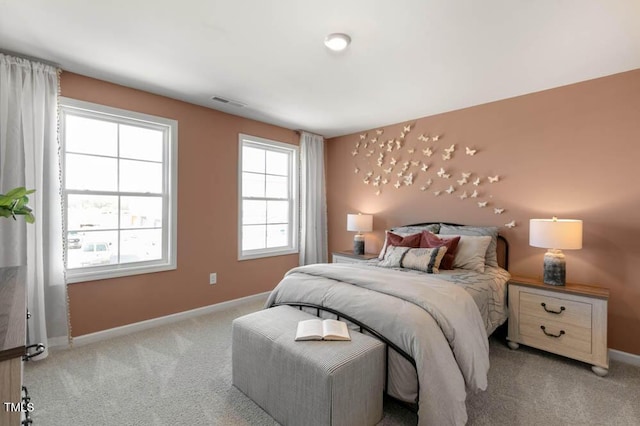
277, 212
91, 173
141, 212
277, 163
140, 143
252, 185
254, 212
277, 187
140, 176
87, 212
253, 237
140, 245
96, 248
252, 160
90, 136
277, 236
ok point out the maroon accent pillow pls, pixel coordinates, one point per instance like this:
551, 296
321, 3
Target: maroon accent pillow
412, 241
431, 240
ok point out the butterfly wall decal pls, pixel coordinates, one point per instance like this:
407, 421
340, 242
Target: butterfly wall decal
462, 181
511, 224
451, 149
470, 151
482, 204
477, 181
366, 181
407, 128
369, 174
357, 144
436, 138
374, 140
441, 172
402, 135
423, 138
354, 153
466, 175
464, 195
385, 181
397, 184
378, 192
436, 193
474, 194
498, 211
450, 190
415, 163
494, 179
379, 163
376, 183
389, 148
424, 167
356, 170
379, 132
398, 144
387, 171
363, 137
393, 161
428, 152
411, 150
446, 156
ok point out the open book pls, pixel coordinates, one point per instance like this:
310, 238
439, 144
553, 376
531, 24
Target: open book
317, 329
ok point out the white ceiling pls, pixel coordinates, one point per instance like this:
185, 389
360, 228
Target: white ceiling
407, 59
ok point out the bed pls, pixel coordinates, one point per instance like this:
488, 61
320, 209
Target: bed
435, 324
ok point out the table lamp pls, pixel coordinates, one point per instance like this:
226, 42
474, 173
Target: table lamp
555, 235
359, 223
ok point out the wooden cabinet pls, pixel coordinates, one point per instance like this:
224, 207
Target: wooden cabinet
349, 257
568, 320
13, 329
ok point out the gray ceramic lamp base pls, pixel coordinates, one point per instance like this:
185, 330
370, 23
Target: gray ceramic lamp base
358, 244
555, 269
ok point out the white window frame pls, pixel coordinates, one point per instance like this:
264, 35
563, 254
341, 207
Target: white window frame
294, 231
169, 128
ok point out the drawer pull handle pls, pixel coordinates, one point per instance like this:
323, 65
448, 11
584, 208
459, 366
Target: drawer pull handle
544, 330
39, 349
551, 311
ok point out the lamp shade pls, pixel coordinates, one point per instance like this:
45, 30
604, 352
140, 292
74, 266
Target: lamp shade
360, 222
562, 234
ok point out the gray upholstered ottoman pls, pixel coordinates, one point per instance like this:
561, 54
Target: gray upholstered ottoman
310, 382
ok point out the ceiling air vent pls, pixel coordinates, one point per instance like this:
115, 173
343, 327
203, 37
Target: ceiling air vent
228, 101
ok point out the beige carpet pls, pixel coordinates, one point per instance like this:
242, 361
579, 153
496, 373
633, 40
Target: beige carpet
180, 374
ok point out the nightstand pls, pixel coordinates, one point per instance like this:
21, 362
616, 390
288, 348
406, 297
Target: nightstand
569, 320
349, 257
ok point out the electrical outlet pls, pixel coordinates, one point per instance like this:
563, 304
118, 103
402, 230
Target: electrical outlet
213, 278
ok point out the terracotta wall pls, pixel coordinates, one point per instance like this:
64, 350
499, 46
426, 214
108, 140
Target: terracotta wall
207, 217
572, 152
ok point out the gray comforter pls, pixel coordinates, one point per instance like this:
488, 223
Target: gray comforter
433, 320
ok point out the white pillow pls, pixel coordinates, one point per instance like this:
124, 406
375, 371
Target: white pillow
471, 252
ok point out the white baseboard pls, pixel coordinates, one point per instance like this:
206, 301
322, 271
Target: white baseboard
625, 357
86, 339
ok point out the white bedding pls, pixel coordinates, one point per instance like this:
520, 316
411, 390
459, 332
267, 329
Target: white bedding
440, 320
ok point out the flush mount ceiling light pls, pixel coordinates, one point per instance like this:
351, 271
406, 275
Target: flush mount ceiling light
337, 41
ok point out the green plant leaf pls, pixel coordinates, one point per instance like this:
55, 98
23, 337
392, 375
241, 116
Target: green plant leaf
18, 192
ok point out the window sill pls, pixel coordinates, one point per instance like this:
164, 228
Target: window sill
259, 255
79, 276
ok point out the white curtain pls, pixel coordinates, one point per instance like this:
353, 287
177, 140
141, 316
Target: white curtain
29, 156
313, 200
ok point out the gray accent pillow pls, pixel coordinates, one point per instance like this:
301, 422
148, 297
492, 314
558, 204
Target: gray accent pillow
393, 257
491, 258
424, 259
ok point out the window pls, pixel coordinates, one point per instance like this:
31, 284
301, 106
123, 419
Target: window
119, 171
268, 174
